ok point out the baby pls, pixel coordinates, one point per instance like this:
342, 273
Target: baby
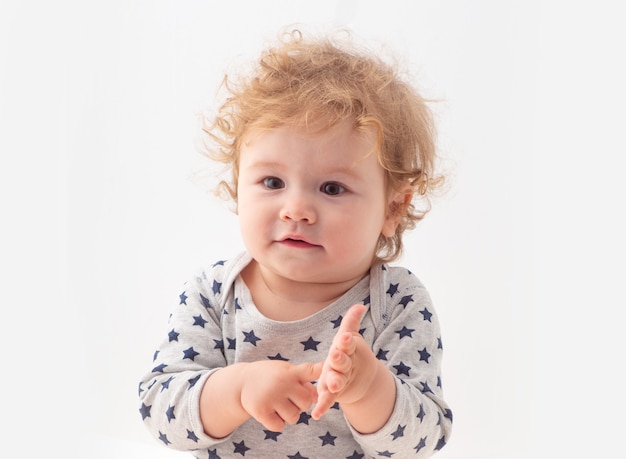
310, 344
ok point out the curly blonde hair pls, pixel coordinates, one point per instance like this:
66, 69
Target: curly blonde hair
299, 81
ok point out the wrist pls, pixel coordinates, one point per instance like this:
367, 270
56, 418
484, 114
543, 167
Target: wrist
221, 410
371, 412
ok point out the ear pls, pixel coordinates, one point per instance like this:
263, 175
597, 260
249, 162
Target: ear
398, 203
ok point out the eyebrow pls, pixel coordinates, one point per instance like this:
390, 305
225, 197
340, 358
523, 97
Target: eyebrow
347, 171
265, 163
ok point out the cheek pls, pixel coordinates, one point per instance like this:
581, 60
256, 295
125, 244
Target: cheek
250, 228
249, 215
256, 216
356, 229
245, 212
245, 202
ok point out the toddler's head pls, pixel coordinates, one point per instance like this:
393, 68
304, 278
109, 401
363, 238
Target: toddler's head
301, 82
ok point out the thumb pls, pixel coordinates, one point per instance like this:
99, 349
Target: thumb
310, 372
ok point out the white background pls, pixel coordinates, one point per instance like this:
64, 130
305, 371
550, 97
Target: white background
104, 220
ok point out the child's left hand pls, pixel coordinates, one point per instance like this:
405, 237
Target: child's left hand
349, 369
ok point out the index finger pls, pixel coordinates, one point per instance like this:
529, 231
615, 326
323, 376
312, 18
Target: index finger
352, 320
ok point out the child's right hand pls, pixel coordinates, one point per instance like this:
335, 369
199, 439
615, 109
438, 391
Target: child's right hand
275, 392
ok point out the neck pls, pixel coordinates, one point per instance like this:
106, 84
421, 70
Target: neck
284, 299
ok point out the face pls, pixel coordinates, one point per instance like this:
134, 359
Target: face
312, 205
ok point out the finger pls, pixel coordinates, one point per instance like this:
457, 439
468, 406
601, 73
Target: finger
308, 372
325, 400
339, 359
344, 346
289, 412
303, 396
335, 381
351, 322
272, 421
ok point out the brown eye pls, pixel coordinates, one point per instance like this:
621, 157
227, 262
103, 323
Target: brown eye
273, 183
332, 188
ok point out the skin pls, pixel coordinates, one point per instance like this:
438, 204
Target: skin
311, 207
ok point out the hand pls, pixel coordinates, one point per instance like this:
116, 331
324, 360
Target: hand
276, 392
349, 369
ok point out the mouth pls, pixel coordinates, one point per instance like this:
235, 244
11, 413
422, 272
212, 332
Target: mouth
297, 242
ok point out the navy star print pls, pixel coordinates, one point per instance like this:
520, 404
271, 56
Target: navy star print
240, 448
440, 444
402, 369
304, 418
310, 344
190, 354
205, 301
251, 338
145, 411
421, 414
159, 368
424, 355
269, 435
427, 314
199, 321
173, 336
212, 325
278, 357
399, 432
192, 436
163, 438
166, 384
327, 439
404, 332
192, 382
170, 414
420, 445
406, 300
393, 289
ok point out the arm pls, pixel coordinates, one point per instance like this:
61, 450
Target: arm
193, 398
357, 380
272, 392
409, 348
191, 351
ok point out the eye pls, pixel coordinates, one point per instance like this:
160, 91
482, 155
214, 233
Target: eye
332, 188
273, 183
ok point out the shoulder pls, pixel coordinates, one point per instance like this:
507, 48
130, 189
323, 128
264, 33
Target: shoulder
401, 275
396, 281
395, 292
216, 279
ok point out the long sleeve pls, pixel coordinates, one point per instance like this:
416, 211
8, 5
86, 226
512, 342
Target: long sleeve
411, 347
191, 351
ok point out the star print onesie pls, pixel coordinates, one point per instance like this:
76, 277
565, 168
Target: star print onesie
217, 324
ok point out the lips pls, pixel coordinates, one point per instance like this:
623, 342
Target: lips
297, 241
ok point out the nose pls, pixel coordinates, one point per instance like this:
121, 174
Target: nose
298, 207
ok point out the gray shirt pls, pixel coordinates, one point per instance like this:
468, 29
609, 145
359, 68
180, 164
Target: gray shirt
217, 324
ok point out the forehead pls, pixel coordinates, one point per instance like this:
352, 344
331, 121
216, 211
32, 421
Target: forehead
342, 143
